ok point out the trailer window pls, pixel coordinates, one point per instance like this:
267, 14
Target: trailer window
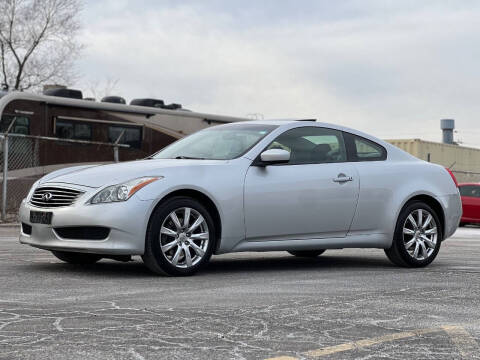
73, 130
132, 135
21, 125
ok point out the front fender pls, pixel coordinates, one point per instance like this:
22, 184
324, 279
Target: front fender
223, 185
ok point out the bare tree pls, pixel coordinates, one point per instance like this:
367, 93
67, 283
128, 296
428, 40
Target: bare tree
38, 42
100, 88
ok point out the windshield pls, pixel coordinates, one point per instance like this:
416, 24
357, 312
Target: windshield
216, 143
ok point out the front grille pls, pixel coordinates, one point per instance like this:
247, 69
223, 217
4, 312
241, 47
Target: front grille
54, 196
83, 232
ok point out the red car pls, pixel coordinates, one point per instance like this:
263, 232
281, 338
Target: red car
470, 194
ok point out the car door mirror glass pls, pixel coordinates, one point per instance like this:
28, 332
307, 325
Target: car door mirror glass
275, 156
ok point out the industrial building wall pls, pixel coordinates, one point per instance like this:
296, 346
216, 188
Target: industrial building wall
463, 161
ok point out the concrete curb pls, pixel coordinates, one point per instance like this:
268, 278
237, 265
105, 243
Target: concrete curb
8, 225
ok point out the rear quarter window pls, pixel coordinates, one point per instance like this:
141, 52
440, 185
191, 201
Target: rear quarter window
361, 149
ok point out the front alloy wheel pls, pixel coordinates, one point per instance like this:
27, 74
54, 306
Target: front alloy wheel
184, 237
180, 237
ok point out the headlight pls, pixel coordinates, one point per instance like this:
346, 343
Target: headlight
122, 192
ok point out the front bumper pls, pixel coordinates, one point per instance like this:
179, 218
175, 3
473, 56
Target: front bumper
127, 222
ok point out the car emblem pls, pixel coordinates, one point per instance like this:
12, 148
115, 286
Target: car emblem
47, 196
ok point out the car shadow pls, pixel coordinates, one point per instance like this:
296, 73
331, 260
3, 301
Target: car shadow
221, 265
291, 263
104, 268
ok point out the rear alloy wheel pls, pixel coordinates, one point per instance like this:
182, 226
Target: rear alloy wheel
306, 253
180, 237
417, 237
77, 258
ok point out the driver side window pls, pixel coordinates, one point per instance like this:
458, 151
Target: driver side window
312, 145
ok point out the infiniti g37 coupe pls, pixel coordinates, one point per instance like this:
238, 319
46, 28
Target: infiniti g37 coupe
298, 186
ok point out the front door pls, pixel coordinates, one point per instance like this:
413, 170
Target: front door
313, 196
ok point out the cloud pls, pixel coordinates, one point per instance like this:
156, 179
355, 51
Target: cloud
393, 69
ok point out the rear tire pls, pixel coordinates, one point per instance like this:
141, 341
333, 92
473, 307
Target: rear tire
417, 238
462, 224
178, 244
307, 253
77, 258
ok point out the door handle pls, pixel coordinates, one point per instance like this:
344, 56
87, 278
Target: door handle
342, 179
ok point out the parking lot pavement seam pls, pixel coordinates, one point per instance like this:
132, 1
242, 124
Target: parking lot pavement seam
466, 345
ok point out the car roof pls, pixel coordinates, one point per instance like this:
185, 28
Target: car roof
277, 121
302, 122
288, 123
298, 122
469, 183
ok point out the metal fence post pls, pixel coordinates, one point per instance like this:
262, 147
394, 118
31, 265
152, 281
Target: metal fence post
115, 147
115, 154
5, 169
5, 175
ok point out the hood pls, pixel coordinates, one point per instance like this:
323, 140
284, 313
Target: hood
111, 174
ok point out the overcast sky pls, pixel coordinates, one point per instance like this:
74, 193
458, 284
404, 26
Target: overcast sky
390, 68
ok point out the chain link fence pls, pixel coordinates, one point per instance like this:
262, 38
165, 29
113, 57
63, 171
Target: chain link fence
22, 155
24, 159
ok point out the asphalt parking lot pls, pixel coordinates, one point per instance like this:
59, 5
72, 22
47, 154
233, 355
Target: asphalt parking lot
346, 304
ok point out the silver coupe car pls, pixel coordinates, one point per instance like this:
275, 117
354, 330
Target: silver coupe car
298, 186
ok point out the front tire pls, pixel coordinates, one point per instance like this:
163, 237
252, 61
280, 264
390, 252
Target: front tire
417, 238
306, 253
180, 237
76, 258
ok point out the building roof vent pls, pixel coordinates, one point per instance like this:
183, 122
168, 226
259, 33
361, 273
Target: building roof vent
447, 126
66, 93
114, 100
148, 102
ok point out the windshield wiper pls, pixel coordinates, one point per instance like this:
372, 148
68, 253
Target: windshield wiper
189, 158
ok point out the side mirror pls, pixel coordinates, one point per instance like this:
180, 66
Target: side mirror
275, 156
